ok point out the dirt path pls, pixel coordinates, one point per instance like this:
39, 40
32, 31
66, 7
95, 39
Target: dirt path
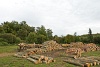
6, 54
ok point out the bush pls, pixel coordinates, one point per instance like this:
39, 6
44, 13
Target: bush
4, 44
9, 38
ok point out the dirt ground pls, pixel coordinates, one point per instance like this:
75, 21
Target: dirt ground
55, 53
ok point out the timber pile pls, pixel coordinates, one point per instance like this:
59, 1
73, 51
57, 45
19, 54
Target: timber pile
74, 52
85, 47
24, 46
36, 59
38, 48
51, 45
91, 47
84, 61
77, 44
40, 59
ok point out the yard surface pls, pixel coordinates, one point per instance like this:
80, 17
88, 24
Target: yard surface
8, 60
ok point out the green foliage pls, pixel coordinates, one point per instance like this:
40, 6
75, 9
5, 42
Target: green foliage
4, 43
9, 38
31, 38
96, 39
41, 38
90, 36
49, 34
15, 32
69, 38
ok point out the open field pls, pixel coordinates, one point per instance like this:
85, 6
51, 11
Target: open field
11, 61
8, 49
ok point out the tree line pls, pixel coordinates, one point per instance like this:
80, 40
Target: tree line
15, 32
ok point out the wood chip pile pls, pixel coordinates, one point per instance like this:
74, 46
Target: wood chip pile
84, 61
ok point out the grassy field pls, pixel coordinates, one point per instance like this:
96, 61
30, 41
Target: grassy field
11, 61
8, 49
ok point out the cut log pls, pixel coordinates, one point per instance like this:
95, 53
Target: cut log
36, 57
87, 65
33, 60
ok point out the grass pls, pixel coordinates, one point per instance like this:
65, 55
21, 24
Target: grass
11, 61
92, 53
8, 49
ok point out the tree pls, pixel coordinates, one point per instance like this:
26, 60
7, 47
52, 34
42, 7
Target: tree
41, 30
31, 37
90, 36
22, 33
40, 39
10, 38
49, 34
69, 38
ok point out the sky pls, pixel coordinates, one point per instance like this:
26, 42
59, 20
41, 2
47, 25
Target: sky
62, 16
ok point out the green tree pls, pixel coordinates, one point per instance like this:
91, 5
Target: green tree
41, 30
49, 34
10, 38
40, 38
22, 33
31, 37
90, 36
69, 38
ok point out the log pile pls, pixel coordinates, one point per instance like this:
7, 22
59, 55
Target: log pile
84, 61
51, 45
91, 47
36, 59
40, 59
85, 47
77, 44
74, 52
24, 46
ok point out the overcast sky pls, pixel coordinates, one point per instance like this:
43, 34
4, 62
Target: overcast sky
62, 16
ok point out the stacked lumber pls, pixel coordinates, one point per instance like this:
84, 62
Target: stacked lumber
91, 47
84, 61
40, 59
24, 46
74, 52
76, 44
51, 45
85, 47
21, 55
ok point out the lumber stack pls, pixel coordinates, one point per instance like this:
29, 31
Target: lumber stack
74, 52
76, 44
40, 59
84, 61
24, 46
51, 45
85, 47
91, 47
